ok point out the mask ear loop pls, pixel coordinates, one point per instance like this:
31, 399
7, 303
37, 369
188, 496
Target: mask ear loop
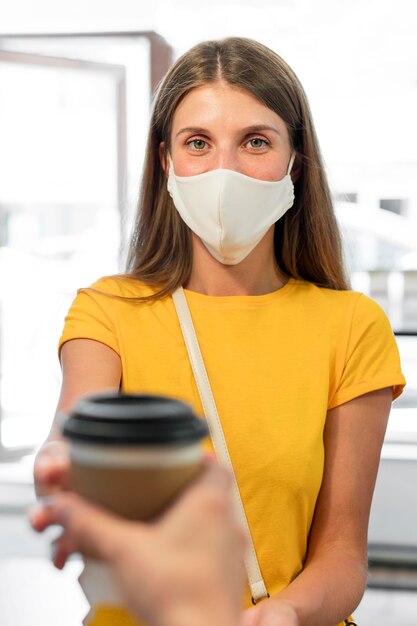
291, 163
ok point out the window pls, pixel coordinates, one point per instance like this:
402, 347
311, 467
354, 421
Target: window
70, 176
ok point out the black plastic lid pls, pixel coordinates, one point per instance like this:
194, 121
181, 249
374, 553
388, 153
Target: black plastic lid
133, 419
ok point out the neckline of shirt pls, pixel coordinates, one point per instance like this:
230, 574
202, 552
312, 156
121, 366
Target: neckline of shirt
194, 297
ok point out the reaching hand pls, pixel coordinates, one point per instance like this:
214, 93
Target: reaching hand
184, 569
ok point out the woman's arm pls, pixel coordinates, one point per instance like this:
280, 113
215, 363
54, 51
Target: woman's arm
87, 367
333, 580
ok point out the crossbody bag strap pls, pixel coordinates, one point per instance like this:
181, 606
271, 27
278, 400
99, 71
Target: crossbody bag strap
255, 579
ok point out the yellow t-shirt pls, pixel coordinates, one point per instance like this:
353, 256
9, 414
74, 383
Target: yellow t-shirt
277, 363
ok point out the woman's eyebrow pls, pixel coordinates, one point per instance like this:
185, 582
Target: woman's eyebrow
197, 130
258, 128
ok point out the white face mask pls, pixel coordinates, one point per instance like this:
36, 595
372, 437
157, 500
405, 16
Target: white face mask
230, 212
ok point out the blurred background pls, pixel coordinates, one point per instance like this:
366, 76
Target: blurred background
76, 83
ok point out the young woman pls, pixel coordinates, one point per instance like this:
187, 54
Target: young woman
235, 208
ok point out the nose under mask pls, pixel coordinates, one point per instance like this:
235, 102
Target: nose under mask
229, 211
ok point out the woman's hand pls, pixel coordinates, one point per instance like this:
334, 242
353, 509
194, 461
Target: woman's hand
184, 569
51, 468
270, 612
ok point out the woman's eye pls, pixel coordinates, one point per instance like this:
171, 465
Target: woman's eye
197, 144
257, 142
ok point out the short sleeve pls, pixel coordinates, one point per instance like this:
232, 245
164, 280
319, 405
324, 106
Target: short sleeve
370, 358
91, 316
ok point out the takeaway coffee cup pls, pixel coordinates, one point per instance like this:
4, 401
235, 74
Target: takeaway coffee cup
132, 454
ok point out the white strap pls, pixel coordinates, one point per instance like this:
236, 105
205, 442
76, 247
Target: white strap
256, 582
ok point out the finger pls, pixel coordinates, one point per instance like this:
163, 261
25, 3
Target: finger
38, 518
50, 475
61, 510
62, 547
43, 513
216, 486
87, 528
214, 476
209, 492
59, 553
51, 467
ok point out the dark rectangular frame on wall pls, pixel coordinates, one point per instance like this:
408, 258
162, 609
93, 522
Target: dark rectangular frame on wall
160, 50
161, 57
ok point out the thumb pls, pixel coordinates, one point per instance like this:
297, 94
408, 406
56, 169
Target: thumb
214, 477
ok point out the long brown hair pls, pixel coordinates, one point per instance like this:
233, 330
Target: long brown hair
307, 240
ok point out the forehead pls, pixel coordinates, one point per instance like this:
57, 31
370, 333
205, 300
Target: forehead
222, 105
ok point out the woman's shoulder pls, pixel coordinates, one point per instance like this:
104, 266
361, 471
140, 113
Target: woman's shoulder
344, 300
121, 285
312, 291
